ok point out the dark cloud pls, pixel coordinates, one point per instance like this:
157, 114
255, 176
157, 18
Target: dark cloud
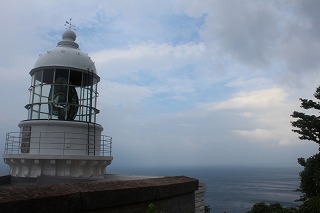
245, 30
301, 45
309, 9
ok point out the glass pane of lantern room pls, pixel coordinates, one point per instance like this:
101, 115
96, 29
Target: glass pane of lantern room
31, 90
36, 96
48, 76
95, 87
75, 78
61, 76
44, 111
93, 116
35, 111
38, 77
85, 79
45, 92
47, 80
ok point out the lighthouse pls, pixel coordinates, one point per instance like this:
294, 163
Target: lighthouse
61, 136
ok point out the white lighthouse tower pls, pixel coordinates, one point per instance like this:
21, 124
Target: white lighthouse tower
60, 136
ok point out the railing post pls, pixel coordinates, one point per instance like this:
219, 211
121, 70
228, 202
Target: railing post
19, 142
39, 143
110, 147
103, 148
6, 145
64, 142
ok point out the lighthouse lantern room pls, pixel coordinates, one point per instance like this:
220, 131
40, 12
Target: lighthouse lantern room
60, 136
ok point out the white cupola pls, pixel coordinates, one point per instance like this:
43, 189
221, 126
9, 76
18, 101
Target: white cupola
60, 136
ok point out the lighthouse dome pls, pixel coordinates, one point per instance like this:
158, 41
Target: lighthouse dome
66, 54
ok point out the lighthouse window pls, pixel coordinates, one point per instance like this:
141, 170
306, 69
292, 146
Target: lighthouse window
63, 97
25, 139
63, 94
38, 77
75, 78
48, 76
35, 114
36, 96
61, 75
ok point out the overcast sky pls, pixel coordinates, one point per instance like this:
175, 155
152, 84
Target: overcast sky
183, 82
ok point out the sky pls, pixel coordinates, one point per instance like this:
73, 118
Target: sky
183, 82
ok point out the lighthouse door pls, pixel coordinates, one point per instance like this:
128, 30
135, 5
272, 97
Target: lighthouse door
25, 139
91, 139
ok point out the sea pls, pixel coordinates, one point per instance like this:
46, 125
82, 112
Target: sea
231, 189
235, 189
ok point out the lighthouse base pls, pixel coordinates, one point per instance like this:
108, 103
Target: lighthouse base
27, 165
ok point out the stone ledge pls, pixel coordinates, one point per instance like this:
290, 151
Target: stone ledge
107, 194
48, 198
92, 196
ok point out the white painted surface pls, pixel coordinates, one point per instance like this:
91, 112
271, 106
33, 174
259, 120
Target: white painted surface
54, 137
66, 54
59, 148
28, 165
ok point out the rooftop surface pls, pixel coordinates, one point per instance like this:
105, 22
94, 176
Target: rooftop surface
115, 193
9, 181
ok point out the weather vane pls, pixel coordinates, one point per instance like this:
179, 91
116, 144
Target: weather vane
69, 25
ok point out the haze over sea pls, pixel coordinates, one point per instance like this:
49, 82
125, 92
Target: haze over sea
235, 189
231, 189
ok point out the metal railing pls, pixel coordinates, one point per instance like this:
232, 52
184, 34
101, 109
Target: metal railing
57, 143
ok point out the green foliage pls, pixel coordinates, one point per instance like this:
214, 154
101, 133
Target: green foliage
310, 177
272, 208
302, 162
207, 209
311, 205
152, 208
308, 126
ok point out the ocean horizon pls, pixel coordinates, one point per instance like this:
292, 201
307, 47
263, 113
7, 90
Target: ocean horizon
231, 189
234, 189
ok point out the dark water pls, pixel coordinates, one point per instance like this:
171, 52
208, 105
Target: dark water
235, 189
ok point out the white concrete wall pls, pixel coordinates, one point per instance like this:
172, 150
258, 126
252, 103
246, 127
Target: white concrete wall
28, 165
62, 137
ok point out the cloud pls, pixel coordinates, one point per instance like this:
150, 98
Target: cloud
301, 52
207, 81
260, 116
256, 135
259, 99
148, 57
123, 95
249, 83
308, 11
247, 34
267, 137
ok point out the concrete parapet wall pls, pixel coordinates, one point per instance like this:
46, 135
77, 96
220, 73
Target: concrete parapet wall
170, 194
199, 198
